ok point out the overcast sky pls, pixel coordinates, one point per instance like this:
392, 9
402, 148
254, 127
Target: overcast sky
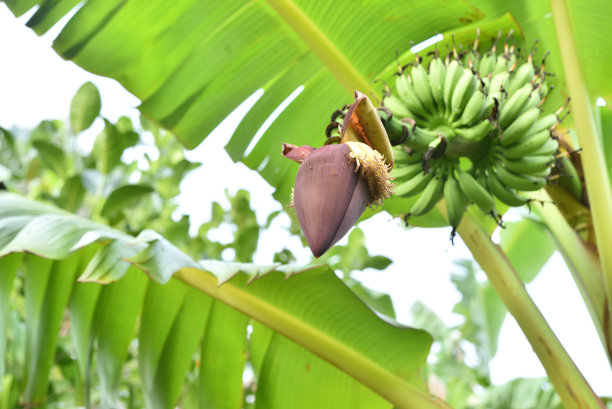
36, 84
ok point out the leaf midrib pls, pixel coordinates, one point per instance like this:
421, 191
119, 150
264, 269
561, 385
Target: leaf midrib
382, 381
327, 52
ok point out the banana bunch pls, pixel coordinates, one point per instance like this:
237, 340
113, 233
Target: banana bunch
472, 130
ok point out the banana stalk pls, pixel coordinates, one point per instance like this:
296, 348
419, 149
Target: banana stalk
569, 383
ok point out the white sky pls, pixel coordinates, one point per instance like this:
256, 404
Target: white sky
36, 84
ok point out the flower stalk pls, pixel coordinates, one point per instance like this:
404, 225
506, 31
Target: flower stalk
569, 383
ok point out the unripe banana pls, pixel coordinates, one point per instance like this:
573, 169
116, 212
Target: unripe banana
404, 158
549, 147
420, 82
503, 63
523, 75
407, 171
476, 132
511, 108
519, 127
473, 109
528, 145
519, 182
499, 82
453, 73
420, 139
529, 165
407, 93
475, 191
455, 201
437, 74
397, 106
487, 108
397, 130
413, 186
487, 63
545, 122
543, 85
489, 105
429, 197
533, 101
570, 179
504, 194
542, 173
464, 89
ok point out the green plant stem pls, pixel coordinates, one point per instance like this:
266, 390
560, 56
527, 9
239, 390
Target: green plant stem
590, 138
320, 44
569, 383
582, 262
388, 385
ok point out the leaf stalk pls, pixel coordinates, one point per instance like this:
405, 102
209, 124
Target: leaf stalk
590, 138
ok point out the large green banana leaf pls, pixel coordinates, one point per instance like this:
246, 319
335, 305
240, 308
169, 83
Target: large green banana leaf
192, 62
342, 354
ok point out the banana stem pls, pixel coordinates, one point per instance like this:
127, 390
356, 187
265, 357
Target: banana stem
590, 138
569, 383
582, 262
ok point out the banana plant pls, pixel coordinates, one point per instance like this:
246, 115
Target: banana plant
196, 62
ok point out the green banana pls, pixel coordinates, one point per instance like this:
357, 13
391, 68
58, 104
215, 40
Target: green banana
455, 201
406, 172
545, 122
511, 108
487, 63
489, 105
475, 191
453, 73
519, 127
549, 148
464, 89
473, 109
529, 164
397, 130
523, 75
570, 179
403, 158
397, 106
437, 75
421, 138
503, 63
420, 82
519, 182
476, 132
499, 82
533, 101
429, 197
407, 93
504, 194
413, 185
528, 145
542, 173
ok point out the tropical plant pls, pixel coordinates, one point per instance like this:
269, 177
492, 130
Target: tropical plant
191, 64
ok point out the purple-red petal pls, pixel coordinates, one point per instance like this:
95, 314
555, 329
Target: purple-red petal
329, 196
296, 153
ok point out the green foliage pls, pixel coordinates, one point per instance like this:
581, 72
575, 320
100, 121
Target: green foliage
468, 385
89, 356
85, 107
191, 68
